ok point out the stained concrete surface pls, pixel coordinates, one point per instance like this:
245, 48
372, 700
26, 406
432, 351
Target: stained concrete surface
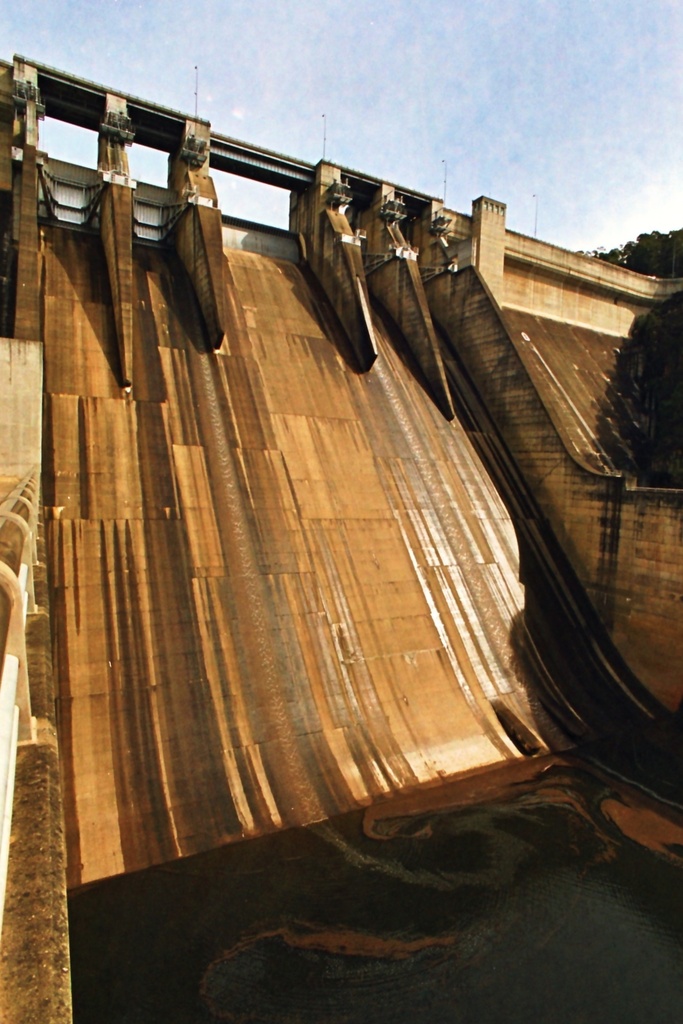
280, 589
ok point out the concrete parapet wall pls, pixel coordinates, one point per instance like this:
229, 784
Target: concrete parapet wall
570, 299
551, 281
546, 280
562, 262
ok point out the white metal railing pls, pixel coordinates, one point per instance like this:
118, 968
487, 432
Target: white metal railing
18, 515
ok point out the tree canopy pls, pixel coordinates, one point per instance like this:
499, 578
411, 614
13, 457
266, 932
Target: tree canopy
650, 365
657, 338
655, 254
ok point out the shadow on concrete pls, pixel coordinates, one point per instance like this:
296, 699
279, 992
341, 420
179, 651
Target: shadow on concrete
579, 678
96, 288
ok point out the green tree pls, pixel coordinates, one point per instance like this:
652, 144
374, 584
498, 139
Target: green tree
655, 254
657, 345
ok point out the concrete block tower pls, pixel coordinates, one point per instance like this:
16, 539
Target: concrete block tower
488, 242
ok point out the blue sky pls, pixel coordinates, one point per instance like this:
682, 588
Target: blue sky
575, 102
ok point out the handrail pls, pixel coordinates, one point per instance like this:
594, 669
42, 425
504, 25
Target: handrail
18, 518
9, 733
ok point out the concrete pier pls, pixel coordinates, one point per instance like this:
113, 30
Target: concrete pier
396, 282
116, 223
334, 252
198, 237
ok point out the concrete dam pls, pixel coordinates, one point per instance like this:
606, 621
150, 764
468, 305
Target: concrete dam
322, 516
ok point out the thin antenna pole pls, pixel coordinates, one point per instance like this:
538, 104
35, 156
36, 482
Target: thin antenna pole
445, 179
324, 135
535, 215
196, 89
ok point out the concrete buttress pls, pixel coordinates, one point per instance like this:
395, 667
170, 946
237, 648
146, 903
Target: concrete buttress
334, 253
198, 236
116, 224
395, 280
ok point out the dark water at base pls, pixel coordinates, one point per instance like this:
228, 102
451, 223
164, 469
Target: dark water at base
560, 900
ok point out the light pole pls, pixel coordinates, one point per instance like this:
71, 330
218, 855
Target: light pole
535, 215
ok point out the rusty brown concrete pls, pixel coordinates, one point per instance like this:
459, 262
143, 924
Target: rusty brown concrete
280, 589
27, 301
116, 227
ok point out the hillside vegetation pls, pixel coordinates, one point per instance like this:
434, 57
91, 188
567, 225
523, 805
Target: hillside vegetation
655, 357
650, 370
654, 254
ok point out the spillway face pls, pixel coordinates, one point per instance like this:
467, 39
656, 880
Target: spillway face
280, 589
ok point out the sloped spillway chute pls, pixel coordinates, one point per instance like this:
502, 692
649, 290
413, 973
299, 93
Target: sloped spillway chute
280, 589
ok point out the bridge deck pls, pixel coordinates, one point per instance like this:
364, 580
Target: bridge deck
80, 102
